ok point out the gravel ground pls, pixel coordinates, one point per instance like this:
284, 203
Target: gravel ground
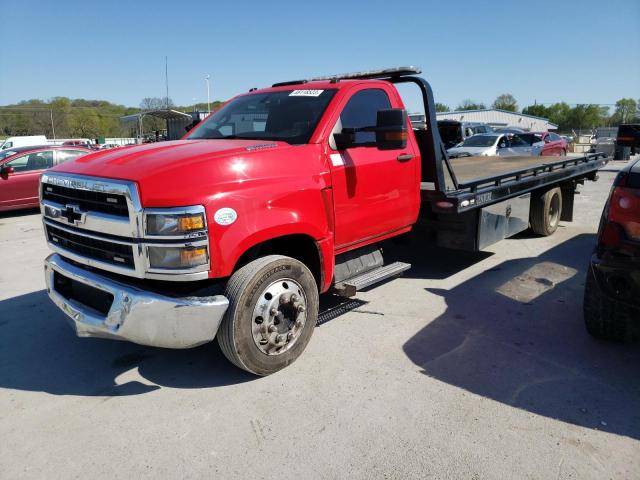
470, 366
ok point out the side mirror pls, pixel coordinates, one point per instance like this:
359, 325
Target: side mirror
391, 129
6, 171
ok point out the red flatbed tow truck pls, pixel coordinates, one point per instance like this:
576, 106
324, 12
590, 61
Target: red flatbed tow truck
282, 194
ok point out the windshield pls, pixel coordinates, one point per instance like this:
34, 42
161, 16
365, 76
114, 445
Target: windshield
289, 116
480, 141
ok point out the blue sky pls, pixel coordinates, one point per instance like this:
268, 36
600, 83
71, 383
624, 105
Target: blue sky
575, 51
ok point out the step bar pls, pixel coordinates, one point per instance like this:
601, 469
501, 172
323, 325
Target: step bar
349, 287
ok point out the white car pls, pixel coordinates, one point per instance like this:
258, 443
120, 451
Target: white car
496, 144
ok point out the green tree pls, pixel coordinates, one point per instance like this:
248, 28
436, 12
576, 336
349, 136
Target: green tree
586, 116
626, 110
536, 110
85, 123
468, 104
441, 107
506, 101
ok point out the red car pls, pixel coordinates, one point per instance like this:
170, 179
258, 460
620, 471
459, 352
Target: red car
20, 170
554, 144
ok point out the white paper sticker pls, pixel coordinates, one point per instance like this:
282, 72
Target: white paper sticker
336, 159
305, 93
225, 216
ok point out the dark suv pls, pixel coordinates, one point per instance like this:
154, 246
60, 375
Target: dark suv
612, 290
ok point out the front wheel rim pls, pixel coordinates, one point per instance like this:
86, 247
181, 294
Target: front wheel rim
279, 316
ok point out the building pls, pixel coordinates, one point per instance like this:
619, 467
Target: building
177, 123
500, 118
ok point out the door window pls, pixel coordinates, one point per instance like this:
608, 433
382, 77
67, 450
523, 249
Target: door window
32, 161
362, 111
66, 155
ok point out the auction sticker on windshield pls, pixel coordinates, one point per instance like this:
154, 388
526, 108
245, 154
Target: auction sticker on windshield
306, 93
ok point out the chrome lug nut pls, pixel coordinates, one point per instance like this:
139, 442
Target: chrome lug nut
273, 311
289, 337
301, 308
279, 338
272, 328
294, 297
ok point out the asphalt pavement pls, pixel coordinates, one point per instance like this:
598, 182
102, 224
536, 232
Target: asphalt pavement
472, 366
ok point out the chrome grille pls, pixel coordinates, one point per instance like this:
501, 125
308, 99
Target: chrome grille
102, 250
99, 222
113, 204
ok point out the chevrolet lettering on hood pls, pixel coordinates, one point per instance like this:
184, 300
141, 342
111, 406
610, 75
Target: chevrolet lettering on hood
79, 184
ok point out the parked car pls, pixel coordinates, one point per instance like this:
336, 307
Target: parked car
496, 144
77, 143
612, 289
105, 146
23, 141
554, 144
20, 170
453, 132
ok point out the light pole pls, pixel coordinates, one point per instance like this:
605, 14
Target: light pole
206, 78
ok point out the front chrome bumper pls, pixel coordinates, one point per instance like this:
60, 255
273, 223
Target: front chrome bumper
137, 315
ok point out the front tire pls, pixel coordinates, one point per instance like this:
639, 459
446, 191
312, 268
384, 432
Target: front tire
273, 310
545, 212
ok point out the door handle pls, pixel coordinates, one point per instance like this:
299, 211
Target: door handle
404, 157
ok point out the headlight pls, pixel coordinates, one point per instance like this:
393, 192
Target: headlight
177, 257
174, 223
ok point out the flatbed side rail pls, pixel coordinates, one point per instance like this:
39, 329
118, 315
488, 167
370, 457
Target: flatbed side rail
534, 170
485, 191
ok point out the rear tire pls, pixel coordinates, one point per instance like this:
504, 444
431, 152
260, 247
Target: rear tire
606, 318
273, 310
545, 212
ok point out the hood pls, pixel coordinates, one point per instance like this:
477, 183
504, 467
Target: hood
140, 162
186, 172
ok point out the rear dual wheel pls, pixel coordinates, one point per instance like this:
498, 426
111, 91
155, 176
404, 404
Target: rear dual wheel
545, 212
273, 310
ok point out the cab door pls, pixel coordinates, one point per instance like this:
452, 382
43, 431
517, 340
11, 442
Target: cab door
20, 188
375, 192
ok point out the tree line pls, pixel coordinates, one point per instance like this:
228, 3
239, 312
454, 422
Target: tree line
567, 117
62, 117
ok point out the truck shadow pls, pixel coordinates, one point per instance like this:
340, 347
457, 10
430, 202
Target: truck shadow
515, 334
40, 352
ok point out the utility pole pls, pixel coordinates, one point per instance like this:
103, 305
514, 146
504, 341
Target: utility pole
207, 77
166, 81
53, 129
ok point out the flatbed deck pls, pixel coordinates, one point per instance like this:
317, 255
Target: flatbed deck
486, 180
468, 169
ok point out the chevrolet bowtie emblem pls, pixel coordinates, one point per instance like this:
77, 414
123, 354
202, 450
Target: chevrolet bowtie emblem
73, 214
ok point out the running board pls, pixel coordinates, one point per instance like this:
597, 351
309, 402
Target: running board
350, 286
